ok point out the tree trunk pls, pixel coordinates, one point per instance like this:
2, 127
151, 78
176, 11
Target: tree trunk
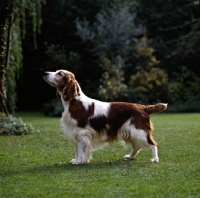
5, 12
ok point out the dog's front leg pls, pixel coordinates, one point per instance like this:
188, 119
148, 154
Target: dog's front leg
83, 149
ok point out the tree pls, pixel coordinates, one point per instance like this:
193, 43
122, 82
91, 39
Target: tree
5, 12
113, 35
174, 28
114, 30
10, 13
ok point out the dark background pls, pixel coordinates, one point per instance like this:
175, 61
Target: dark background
172, 26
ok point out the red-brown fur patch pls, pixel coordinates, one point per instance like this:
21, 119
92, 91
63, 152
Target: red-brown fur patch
70, 90
79, 113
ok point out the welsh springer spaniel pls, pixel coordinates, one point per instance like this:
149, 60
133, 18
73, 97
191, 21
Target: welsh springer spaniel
89, 123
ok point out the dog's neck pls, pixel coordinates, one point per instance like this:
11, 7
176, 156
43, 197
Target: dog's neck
80, 96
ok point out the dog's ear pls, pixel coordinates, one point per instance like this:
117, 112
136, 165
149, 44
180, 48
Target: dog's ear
57, 94
70, 90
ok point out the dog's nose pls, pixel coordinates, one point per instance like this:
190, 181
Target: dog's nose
46, 73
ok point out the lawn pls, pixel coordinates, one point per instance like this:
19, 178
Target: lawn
37, 165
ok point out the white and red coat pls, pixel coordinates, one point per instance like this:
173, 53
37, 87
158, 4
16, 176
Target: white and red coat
90, 123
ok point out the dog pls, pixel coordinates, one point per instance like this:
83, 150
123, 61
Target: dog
90, 123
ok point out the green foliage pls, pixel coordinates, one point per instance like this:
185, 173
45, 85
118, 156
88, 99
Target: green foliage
152, 84
150, 80
190, 105
174, 28
188, 44
186, 86
33, 8
10, 125
15, 66
38, 165
10, 88
112, 83
20, 8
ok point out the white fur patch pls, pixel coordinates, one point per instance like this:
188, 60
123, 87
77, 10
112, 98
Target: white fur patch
101, 108
132, 135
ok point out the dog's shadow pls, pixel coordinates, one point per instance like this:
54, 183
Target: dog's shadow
66, 167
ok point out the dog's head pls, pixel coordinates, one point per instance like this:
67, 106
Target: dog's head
64, 81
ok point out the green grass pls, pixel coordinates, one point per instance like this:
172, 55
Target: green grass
37, 165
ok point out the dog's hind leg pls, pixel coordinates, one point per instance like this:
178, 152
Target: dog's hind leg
154, 152
132, 154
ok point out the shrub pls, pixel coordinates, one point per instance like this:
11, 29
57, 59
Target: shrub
53, 108
185, 87
191, 105
112, 82
135, 95
10, 125
149, 79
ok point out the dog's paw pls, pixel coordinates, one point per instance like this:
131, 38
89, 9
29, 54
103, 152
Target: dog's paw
72, 161
127, 157
76, 162
153, 160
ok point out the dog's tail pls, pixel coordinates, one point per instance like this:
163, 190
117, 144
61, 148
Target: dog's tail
150, 109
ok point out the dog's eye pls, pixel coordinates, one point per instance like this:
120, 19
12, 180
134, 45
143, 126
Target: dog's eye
59, 73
